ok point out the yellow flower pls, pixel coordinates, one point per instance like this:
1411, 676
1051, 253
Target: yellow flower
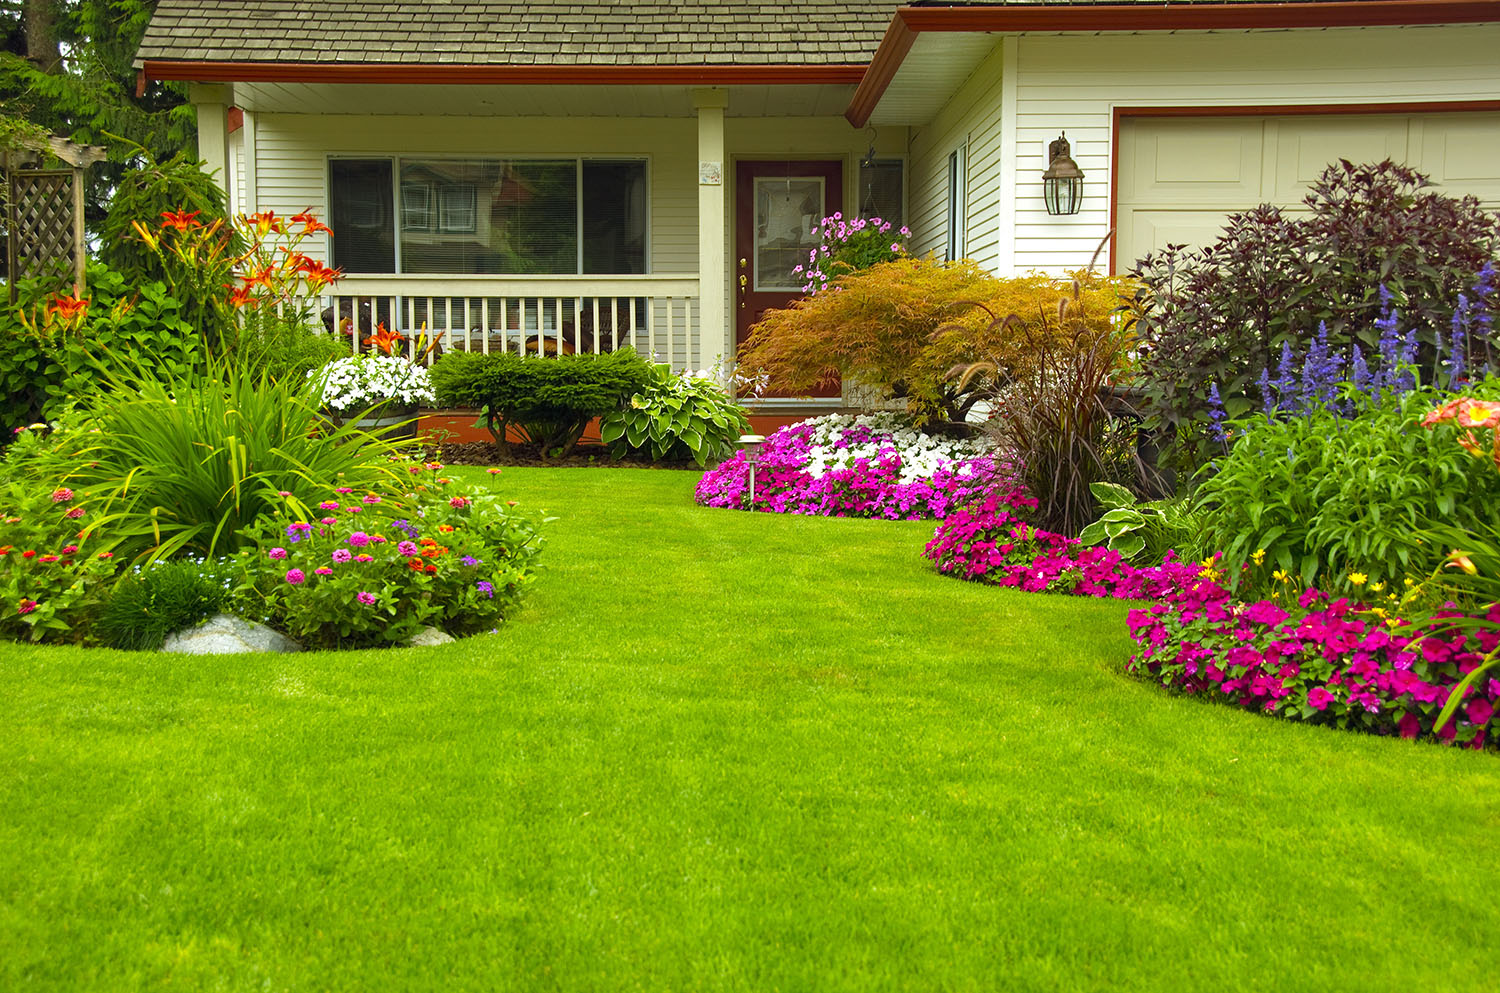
1280, 576
1358, 578
1377, 587
1463, 561
1259, 556
1410, 581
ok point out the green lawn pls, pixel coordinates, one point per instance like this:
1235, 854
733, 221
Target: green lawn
721, 751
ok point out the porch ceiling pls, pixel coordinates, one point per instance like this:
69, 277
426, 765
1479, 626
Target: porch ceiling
932, 72
817, 100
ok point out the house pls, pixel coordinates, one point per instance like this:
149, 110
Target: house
582, 175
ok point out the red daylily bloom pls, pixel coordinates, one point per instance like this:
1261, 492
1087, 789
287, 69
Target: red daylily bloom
68, 307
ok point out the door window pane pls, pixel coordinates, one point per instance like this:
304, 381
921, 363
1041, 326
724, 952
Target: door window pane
614, 216
787, 214
361, 215
495, 216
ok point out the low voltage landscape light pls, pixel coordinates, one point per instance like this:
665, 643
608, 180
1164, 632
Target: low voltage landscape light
750, 445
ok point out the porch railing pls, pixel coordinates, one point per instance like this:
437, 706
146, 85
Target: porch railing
532, 315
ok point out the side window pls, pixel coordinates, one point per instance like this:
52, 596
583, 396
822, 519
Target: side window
956, 202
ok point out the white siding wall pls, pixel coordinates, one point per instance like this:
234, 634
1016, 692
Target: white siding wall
1074, 83
970, 120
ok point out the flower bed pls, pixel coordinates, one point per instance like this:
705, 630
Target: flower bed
989, 542
375, 569
867, 466
1315, 659
1320, 660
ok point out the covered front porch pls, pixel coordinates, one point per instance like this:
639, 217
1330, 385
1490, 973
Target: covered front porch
554, 219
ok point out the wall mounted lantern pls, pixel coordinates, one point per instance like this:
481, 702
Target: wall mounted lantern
1062, 183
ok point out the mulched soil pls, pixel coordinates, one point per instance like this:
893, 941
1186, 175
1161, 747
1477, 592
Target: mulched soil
584, 456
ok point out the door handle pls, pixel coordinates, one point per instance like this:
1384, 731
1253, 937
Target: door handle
744, 285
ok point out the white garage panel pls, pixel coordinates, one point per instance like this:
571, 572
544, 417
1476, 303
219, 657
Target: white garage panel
1181, 176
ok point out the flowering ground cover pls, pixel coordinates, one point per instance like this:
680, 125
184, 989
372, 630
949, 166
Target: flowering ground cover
720, 751
846, 466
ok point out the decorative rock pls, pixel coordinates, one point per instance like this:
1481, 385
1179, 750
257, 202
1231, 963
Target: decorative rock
226, 634
430, 636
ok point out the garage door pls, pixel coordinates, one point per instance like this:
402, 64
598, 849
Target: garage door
1180, 177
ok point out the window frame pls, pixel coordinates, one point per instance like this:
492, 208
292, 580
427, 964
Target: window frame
578, 158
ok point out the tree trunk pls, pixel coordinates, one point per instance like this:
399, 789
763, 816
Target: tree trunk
43, 47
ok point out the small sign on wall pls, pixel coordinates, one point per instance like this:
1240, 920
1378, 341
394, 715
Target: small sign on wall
710, 174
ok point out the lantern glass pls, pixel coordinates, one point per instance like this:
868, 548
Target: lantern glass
1064, 195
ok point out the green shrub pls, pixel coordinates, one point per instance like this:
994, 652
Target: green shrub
676, 417
47, 362
286, 346
549, 401
54, 570
161, 599
1324, 496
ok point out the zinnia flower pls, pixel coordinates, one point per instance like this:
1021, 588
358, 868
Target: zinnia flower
365, 598
359, 539
323, 570
277, 553
295, 576
26, 607
341, 555
62, 495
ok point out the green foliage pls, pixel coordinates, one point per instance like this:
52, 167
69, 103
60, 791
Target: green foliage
1142, 532
53, 567
47, 363
90, 94
1221, 314
181, 464
285, 346
159, 600
549, 401
676, 417
142, 197
1325, 496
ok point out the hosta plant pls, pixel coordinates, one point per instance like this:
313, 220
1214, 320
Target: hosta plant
677, 416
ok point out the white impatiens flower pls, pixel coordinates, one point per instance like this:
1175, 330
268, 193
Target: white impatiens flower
362, 381
921, 455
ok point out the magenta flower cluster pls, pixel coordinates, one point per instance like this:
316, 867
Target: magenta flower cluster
990, 542
1324, 661
795, 477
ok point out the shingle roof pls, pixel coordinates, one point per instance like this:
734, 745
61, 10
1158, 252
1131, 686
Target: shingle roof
494, 32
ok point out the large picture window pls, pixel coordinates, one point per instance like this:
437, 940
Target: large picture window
495, 216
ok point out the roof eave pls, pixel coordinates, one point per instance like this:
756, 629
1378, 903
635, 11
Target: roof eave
908, 22
450, 74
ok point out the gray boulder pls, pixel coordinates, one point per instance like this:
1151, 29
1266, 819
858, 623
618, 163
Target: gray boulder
430, 636
226, 634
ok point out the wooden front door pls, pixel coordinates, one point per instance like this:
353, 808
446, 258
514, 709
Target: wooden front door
777, 207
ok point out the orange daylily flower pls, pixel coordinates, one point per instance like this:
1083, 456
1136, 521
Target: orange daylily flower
180, 220
68, 308
310, 224
241, 297
386, 341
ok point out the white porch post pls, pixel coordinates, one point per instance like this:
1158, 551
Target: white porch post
717, 330
212, 104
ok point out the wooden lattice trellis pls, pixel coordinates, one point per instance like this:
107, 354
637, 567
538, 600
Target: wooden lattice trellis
44, 210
